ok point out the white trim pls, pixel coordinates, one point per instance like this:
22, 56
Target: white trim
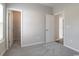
14, 9
32, 44
72, 48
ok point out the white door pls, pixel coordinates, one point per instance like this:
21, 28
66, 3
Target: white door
10, 29
50, 28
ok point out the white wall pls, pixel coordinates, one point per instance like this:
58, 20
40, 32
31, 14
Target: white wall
2, 43
71, 25
33, 22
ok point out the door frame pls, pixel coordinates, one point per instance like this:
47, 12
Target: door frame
57, 13
7, 24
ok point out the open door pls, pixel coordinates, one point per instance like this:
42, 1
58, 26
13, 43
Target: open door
50, 31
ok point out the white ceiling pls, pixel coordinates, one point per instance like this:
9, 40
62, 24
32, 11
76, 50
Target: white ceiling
49, 4
53, 5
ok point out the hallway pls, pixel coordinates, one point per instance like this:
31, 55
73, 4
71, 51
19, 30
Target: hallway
49, 49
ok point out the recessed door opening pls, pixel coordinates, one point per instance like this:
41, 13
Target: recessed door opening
14, 30
16, 27
59, 26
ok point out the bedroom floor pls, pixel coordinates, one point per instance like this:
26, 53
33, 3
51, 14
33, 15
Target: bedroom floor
49, 49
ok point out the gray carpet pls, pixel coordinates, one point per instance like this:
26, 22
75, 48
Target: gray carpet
49, 49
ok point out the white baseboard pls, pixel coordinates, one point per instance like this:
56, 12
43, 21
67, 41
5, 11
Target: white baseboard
72, 48
32, 44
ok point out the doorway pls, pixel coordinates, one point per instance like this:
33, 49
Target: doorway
14, 28
59, 27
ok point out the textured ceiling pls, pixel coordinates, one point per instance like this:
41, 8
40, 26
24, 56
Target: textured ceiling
53, 5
